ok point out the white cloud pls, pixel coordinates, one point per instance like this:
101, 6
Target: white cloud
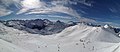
3, 6
60, 2
9, 2
27, 5
84, 2
87, 20
32, 4
22, 11
66, 10
63, 2
4, 11
41, 7
56, 16
83, 12
58, 8
113, 10
38, 7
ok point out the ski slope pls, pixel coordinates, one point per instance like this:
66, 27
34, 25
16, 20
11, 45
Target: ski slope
78, 38
8, 47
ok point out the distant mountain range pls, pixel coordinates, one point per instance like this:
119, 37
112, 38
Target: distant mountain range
38, 26
45, 26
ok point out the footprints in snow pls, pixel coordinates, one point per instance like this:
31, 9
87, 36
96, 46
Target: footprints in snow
85, 43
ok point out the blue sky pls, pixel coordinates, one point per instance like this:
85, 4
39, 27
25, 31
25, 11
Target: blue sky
105, 11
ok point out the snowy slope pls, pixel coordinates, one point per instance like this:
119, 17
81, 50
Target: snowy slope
87, 32
8, 47
78, 38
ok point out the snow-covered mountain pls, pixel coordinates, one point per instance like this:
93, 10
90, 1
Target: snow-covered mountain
38, 26
6, 38
78, 38
45, 26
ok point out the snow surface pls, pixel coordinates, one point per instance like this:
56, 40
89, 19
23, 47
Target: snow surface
78, 38
106, 26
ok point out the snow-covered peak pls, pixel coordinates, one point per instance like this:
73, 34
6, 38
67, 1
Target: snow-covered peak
107, 26
47, 22
89, 32
9, 30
